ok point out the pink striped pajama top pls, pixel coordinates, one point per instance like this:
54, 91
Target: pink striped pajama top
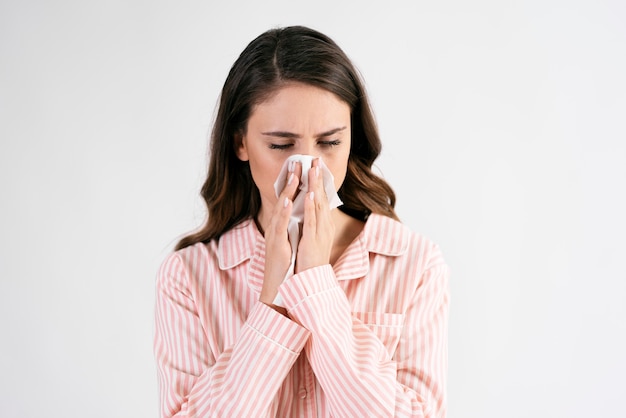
365, 337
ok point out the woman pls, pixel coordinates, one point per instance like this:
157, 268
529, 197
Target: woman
361, 326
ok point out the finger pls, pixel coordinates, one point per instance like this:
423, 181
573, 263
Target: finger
309, 226
277, 228
324, 227
291, 185
297, 178
285, 213
319, 180
314, 175
316, 184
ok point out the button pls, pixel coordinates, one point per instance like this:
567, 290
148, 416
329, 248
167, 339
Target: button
302, 393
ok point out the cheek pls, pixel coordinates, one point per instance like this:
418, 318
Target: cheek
338, 169
264, 174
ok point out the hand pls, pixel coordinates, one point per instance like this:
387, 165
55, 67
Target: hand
277, 247
318, 229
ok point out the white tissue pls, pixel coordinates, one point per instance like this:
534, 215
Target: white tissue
297, 213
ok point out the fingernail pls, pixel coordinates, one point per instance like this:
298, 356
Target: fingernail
290, 179
317, 171
290, 167
286, 202
312, 195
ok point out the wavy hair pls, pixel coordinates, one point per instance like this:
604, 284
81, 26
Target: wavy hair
275, 58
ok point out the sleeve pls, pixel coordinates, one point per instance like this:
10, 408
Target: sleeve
242, 380
352, 365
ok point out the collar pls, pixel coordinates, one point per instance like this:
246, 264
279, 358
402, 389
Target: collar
238, 244
381, 235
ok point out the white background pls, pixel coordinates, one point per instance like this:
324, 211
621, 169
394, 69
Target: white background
504, 126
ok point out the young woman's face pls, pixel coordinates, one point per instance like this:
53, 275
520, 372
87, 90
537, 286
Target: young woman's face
297, 119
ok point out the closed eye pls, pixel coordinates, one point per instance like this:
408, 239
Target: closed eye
330, 144
280, 146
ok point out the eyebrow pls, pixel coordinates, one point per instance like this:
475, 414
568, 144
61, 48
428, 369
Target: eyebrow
291, 135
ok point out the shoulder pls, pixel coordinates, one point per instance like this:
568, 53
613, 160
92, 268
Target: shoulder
204, 260
181, 266
387, 236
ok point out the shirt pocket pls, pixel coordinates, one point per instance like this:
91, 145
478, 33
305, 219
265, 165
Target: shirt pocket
386, 326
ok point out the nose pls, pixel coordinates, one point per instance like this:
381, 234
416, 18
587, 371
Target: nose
308, 148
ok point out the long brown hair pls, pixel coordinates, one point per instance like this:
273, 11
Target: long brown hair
276, 57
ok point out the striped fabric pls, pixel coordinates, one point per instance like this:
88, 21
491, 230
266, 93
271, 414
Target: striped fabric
365, 337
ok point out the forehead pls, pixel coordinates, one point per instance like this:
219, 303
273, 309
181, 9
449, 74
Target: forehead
298, 103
